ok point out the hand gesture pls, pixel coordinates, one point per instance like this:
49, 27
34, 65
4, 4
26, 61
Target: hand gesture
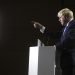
37, 25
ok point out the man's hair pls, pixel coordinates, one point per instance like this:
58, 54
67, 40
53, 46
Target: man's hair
66, 13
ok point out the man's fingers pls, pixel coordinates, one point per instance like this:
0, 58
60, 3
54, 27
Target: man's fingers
34, 25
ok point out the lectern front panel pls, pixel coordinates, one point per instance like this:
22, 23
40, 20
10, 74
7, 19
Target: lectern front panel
42, 60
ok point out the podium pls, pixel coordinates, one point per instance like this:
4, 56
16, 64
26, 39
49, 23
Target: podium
42, 60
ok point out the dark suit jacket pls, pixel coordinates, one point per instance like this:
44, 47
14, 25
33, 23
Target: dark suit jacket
66, 45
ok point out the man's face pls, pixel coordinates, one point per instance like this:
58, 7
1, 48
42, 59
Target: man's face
62, 20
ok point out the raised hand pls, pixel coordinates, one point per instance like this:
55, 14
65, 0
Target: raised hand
37, 25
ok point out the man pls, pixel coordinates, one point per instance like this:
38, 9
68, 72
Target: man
66, 44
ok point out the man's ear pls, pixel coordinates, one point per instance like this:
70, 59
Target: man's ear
66, 18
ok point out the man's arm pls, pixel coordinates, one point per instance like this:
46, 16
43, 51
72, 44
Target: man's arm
45, 36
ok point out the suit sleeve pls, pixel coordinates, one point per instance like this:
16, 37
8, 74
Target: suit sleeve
49, 38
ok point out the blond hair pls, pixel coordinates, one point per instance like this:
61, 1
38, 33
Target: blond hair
66, 13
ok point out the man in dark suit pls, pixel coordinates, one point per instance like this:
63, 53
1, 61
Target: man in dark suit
66, 44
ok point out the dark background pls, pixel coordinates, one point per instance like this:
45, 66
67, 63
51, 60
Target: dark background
17, 33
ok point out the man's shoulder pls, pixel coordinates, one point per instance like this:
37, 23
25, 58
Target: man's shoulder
72, 23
